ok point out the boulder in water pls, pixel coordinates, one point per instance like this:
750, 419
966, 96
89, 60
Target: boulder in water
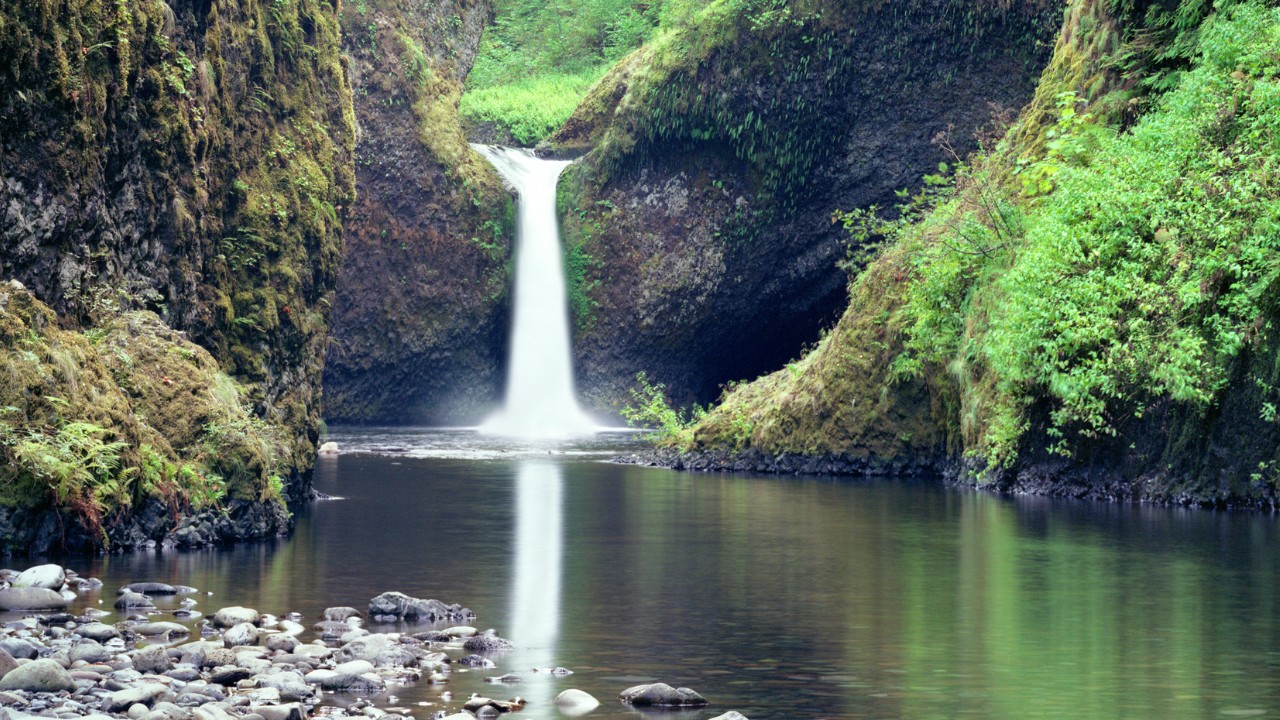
575, 702
50, 577
229, 617
661, 695
391, 606
31, 598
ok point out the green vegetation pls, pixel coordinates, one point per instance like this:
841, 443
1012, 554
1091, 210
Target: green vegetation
93, 423
538, 59
650, 408
1090, 267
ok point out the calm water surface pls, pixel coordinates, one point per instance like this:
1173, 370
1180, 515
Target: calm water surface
777, 597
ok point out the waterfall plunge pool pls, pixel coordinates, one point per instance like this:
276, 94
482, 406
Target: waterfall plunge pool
778, 597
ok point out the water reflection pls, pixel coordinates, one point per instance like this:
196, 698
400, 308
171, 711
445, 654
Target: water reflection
535, 585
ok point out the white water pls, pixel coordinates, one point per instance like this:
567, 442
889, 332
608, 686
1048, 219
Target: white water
540, 400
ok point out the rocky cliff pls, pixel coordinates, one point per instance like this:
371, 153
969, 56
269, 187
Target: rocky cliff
190, 159
1089, 311
419, 327
699, 226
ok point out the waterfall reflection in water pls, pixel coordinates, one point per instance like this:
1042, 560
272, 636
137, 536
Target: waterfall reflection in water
535, 587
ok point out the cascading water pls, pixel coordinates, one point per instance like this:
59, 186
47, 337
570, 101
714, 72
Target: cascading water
540, 400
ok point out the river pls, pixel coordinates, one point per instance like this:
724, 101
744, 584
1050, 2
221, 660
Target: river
778, 597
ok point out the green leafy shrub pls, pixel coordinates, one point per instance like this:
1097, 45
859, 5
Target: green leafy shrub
651, 409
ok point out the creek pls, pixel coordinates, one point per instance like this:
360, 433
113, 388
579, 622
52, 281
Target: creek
778, 597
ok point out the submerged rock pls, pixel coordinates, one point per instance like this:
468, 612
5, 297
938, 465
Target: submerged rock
661, 695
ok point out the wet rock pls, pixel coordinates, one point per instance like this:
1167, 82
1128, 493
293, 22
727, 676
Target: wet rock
148, 588
731, 715
144, 694
153, 660
488, 642
289, 711
242, 634
575, 702
28, 599
476, 661
365, 648
390, 606
7, 663
167, 711
661, 695
134, 601
228, 675
38, 676
100, 632
330, 629
51, 577
20, 649
340, 614
280, 643
431, 636
165, 628
290, 685
184, 672
229, 617
89, 651
505, 679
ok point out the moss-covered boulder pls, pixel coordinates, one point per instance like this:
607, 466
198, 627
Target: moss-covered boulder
419, 326
111, 435
699, 226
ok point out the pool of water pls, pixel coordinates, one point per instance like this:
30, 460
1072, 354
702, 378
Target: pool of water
778, 597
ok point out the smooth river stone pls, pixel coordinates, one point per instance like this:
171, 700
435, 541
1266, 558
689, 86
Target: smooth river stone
50, 577
229, 617
38, 676
31, 598
661, 695
575, 702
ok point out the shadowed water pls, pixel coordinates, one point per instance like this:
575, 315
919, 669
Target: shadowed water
778, 597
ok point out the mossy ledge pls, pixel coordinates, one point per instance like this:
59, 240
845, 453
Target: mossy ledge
194, 160
125, 434
991, 368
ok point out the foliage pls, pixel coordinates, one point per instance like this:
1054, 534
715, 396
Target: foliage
651, 409
1075, 277
75, 464
538, 59
529, 108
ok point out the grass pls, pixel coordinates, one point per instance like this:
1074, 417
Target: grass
530, 108
537, 60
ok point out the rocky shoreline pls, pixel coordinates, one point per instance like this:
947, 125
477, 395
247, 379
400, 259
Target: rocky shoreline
240, 664
1042, 479
44, 531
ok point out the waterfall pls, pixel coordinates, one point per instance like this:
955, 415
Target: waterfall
540, 399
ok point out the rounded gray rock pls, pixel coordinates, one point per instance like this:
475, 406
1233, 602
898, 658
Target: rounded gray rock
51, 577
38, 676
661, 695
31, 598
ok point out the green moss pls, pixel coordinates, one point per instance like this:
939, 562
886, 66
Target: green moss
1009, 324
93, 422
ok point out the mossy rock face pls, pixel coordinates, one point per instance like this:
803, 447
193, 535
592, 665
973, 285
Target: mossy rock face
419, 327
702, 215
109, 436
898, 385
171, 156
